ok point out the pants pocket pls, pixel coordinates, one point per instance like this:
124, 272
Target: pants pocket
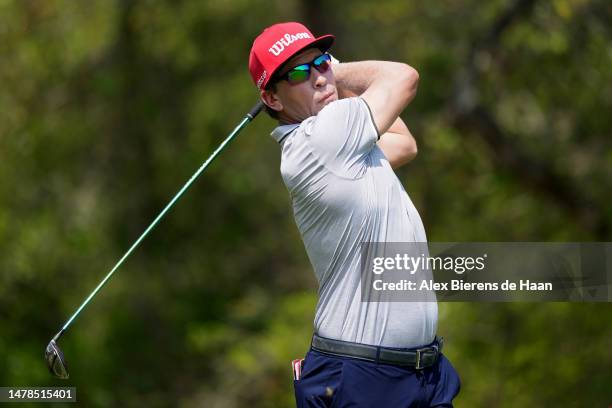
320, 382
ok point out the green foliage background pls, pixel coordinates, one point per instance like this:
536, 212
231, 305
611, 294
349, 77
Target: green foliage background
107, 107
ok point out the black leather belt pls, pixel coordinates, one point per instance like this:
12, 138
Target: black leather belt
418, 358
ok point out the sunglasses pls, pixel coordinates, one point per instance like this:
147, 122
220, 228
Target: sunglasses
301, 73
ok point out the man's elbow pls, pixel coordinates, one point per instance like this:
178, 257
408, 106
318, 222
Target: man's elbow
404, 155
410, 151
413, 150
408, 81
413, 76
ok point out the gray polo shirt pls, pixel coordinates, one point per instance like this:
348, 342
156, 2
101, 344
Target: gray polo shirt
344, 192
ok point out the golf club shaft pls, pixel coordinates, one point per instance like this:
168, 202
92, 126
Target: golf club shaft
249, 117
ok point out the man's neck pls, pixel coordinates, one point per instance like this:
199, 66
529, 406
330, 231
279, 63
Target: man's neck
286, 120
282, 122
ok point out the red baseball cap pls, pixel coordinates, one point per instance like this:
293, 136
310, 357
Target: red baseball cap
277, 44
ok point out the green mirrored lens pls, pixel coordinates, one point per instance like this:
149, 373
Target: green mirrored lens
298, 74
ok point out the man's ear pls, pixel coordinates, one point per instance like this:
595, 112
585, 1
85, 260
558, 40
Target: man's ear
271, 100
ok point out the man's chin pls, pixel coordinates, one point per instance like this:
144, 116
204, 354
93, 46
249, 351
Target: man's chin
327, 101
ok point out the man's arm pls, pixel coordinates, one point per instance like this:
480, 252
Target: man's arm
398, 144
387, 87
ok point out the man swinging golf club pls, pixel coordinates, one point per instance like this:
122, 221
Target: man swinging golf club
341, 137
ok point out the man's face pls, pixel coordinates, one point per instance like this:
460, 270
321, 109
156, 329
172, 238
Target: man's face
299, 101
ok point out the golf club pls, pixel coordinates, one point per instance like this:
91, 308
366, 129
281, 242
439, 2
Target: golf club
53, 354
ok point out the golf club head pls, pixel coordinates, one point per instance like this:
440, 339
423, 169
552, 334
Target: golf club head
56, 361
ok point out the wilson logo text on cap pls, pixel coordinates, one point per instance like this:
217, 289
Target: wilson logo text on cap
285, 41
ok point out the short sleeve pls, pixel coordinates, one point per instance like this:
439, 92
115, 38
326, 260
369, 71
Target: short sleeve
343, 134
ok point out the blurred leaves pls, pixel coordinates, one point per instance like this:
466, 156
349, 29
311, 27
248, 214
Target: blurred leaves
109, 106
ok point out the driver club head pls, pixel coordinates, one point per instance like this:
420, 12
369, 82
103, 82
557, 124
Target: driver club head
56, 361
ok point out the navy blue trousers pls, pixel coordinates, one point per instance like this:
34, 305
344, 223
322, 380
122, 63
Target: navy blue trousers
329, 381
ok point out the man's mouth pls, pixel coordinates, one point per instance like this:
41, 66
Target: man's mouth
326, 97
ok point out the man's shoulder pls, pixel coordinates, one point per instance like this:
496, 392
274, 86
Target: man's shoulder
338, 117
332, 111
341, 106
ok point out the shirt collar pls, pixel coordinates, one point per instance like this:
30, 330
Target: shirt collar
283, 131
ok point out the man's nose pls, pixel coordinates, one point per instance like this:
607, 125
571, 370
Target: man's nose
319, 79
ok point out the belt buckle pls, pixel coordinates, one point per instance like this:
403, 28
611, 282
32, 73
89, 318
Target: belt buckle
417, 364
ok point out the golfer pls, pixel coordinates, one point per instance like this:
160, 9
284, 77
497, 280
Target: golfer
340, 137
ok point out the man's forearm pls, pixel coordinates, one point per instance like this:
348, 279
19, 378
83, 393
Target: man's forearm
398, 144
